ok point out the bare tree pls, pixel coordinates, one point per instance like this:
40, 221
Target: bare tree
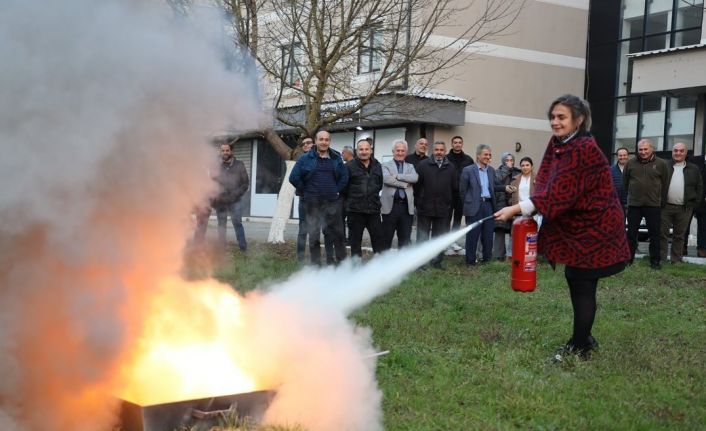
323, 61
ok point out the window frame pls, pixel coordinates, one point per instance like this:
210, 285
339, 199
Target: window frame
369, 54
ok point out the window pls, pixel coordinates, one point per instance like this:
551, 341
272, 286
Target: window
292, 56
270, 169
369, 50
680, 122
649, 25
657, 22
689, 14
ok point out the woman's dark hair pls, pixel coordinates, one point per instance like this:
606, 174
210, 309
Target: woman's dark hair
527, 159
578, 108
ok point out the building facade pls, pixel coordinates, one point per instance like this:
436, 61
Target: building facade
499, 97
644, 78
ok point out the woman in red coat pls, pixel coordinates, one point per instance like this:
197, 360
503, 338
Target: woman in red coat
582, 223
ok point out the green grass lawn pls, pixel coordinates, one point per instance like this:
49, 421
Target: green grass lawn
466, 352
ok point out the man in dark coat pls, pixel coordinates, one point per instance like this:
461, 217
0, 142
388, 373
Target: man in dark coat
504, 176
700, 210
419, 155
621, 155
437, 185
420, 152
476, 188
233, 182
363, 198
319, 177
460, 160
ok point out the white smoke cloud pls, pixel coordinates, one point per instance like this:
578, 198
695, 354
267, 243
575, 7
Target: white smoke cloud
105, 107
318, 363
105, 110
321, 365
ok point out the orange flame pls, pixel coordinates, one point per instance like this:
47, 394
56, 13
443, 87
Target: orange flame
189, 346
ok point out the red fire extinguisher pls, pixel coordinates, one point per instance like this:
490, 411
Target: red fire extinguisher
524, 254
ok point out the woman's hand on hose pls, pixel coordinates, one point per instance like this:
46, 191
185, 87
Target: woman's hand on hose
505, 214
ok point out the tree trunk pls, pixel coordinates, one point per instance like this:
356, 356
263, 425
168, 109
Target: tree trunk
277, 144
284, 207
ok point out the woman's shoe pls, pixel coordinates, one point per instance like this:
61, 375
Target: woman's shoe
571, 349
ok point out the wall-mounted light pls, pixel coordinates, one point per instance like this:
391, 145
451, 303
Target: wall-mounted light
518, 147
359, 128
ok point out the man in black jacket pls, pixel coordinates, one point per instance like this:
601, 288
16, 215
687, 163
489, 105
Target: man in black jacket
700, 210
437, 184
621, 156
363, 198
460, 160
233, 182
420, 152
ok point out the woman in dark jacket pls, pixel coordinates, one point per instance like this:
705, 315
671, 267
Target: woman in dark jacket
582, 217
504, 175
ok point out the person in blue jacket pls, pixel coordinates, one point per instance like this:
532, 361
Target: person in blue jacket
319, 177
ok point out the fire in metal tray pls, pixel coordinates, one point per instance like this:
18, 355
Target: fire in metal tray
198, 415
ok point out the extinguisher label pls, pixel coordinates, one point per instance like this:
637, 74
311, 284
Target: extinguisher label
531, 252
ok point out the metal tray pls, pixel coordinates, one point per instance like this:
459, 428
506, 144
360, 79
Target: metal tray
196, 415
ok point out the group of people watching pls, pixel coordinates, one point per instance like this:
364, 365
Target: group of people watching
582, 200
362, 191
383, 198
352, 188
667, 194
583, 224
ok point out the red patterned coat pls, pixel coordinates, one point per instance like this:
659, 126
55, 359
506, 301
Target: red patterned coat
583, 224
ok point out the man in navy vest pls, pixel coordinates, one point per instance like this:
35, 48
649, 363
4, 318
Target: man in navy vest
319, 177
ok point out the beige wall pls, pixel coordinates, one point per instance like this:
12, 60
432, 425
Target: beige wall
512, 87
540, 26
513, 95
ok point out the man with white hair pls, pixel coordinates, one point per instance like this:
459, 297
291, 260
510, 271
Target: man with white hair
397, 197
683, 195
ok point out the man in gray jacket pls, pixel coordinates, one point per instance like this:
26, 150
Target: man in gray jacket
646, 179
477, 191
397, 197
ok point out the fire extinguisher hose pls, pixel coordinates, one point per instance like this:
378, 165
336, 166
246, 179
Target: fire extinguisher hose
478, 223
